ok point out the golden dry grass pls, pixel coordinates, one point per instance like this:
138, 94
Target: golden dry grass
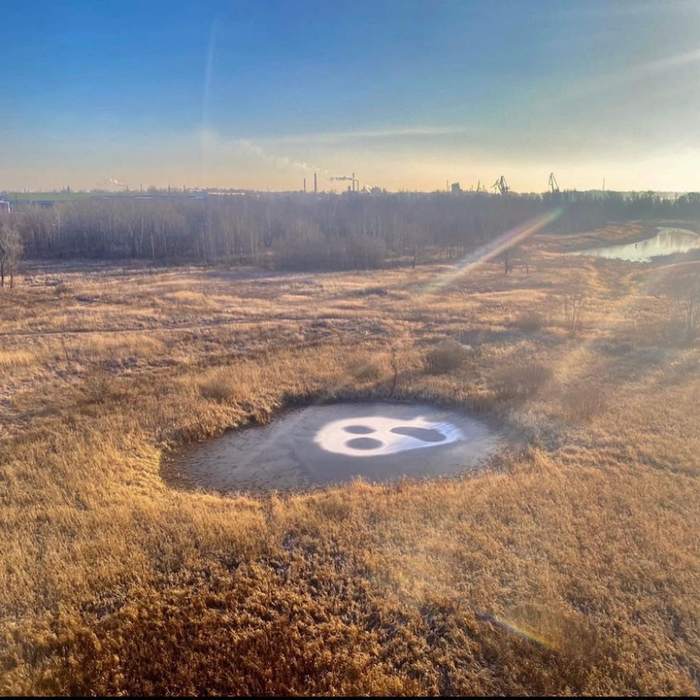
569, 566
10, 359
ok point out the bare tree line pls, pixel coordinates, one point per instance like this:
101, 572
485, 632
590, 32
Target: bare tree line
297, 231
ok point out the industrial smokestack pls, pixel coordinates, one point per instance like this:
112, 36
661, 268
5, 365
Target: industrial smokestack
304, 185
315, 184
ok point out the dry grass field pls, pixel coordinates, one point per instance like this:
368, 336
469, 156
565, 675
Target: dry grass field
571, 564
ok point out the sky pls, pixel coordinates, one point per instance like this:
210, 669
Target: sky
407, 94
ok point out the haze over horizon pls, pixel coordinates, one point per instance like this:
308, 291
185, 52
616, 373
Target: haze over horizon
408, 96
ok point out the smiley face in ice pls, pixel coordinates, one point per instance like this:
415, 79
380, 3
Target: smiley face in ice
372, 436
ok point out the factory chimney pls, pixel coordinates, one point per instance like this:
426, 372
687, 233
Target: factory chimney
315, 184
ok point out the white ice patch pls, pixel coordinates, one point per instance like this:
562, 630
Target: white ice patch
373, 436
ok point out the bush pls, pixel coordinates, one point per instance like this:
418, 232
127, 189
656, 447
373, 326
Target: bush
520, 381
583, 402
217, 388
530, 321
448, 356
366, 368
100, 387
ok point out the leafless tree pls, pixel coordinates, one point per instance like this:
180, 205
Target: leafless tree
326, 230
10, 251
507, 261
573, 306
683, 288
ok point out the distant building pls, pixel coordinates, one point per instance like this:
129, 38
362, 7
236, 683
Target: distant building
5, 206
455, 187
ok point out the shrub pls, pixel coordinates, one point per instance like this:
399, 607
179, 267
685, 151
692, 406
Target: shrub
365, 368
217, 388
520, 381
100, 387
447, 356
62, 289
581, 403
529, 321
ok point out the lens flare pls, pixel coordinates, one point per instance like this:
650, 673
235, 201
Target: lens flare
517, 630
490, 250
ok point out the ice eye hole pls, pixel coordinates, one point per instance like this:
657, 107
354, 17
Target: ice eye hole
363, 443
358, 429
424, 434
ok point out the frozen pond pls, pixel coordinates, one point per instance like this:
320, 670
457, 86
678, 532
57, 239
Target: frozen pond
334, 443
667, 241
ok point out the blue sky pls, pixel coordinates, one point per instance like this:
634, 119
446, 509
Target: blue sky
407, 94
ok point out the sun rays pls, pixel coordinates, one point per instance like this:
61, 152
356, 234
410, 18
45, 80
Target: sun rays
492, 249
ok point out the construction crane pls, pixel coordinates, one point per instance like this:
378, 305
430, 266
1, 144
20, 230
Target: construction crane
501, 185
350, 178
553, 184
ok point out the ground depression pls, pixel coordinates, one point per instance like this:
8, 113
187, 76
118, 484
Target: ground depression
329, 444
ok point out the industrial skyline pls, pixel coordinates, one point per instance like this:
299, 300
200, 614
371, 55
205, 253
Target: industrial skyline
262, 95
